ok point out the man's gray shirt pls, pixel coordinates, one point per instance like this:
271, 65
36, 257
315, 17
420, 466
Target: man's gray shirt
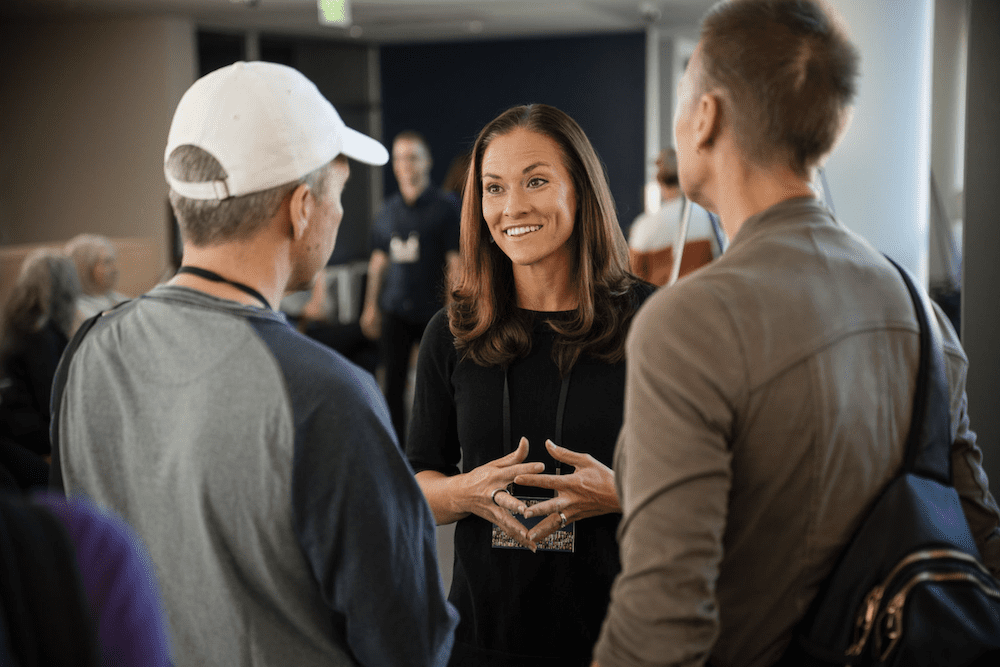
260, 469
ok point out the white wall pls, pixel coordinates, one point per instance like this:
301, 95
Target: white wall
949, 89
84, 116
879, 174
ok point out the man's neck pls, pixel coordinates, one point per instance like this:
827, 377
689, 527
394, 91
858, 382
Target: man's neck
412, 194
746, 190
248, 263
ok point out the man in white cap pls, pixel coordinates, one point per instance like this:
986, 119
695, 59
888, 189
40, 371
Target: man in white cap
259, 468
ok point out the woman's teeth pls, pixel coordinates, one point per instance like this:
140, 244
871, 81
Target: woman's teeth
519, 231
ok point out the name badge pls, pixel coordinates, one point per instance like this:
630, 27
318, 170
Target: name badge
405, 252
563, 539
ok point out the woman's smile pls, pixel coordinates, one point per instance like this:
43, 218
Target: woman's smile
522, 230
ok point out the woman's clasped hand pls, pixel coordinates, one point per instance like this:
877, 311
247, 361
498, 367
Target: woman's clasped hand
487, 496
587, 491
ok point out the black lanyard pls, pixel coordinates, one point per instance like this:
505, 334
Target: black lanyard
560, 409
216, 278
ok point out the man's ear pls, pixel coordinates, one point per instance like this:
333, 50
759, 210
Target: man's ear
708, 121
300, 208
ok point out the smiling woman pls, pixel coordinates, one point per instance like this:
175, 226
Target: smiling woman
485, 315
530, 351
529, 205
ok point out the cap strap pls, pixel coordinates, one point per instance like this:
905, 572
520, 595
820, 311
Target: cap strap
205, 190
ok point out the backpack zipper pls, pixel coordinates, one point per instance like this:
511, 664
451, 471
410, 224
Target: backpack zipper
868, 613
891, 618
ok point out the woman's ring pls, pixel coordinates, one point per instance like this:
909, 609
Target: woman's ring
562, 517
493, 496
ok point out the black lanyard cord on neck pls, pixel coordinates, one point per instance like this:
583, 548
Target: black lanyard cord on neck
560, 410
216, 278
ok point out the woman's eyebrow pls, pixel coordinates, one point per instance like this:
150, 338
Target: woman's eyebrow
523, 171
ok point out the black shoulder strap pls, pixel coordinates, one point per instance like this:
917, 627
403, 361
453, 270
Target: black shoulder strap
58, 387
928, 445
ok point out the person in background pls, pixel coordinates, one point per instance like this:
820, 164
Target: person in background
521, 378
85, 593
769, 394
652, 236
258, 466
38, 318
97, 265
414, 251
456, 178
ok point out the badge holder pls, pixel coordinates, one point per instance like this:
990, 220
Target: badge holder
563, 540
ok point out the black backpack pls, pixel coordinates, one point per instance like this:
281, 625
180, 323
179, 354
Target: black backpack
910, 588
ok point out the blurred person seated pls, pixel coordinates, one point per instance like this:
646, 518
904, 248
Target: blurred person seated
97, 265
653, 234
38, 319
77, 588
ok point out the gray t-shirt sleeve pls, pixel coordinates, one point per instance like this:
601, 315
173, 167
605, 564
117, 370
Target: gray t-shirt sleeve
362, 522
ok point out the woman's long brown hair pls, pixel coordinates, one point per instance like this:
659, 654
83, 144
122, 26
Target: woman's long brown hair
488, 327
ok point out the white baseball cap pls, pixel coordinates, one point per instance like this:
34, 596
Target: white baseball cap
266, 124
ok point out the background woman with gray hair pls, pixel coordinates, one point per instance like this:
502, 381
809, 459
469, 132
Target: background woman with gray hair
38, 319
97, 266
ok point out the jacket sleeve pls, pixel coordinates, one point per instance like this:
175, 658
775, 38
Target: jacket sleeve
672, 472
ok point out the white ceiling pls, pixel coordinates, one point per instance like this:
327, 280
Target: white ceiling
401, 20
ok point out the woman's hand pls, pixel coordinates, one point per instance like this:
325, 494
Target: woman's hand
482, 491
588, 491
486, 494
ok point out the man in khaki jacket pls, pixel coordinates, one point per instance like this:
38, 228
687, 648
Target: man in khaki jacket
769, 393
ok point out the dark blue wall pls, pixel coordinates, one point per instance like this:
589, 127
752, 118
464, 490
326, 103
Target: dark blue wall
450, 91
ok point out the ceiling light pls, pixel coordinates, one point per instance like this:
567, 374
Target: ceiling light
334, 12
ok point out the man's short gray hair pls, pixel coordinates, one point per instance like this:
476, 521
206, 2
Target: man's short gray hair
209, 222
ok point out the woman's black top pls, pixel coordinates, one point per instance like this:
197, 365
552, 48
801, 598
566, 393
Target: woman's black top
520, 608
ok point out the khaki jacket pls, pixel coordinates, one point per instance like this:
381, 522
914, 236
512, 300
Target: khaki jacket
767, 402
